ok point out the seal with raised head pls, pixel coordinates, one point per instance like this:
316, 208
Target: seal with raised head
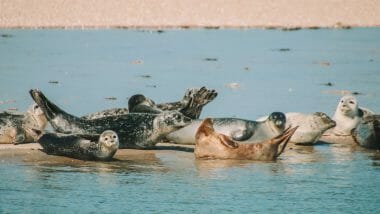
213, 145
367, 132
310, 126
348, 115
191, 105
20, 128
135, 130
245, 131
80, 146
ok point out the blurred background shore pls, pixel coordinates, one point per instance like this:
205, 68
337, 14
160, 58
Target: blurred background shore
188, 13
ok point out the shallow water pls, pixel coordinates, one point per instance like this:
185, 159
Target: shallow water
275, 71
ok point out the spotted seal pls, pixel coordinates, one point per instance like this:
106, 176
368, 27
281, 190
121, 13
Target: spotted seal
348, 115
85, 147
245, 131
135, 130
213, 145
20, 128
310, 126
367, 132
191, 105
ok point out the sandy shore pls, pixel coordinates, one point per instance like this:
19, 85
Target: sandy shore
188, 13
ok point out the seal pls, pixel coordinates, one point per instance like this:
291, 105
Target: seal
348, 115
191, 105
367, 132
85, 147
135, 130
18, 128
310, 126
213, 145
245, 131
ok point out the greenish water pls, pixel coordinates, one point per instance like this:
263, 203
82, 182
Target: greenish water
276, 71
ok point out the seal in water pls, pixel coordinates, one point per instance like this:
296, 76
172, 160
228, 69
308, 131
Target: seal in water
310, 126
19, 128
367, 132
245, 131
135, 130
85, 147
213, 145
191, 105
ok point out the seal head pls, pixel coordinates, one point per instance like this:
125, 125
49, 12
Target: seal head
347, 115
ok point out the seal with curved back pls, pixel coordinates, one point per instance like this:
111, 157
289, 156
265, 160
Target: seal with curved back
213, 145
191, 105
135, 130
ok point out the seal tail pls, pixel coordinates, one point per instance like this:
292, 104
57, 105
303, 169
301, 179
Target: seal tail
50, 109
206, 128
284, 138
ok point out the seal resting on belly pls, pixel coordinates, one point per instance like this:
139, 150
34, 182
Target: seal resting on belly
212, 145
85, 147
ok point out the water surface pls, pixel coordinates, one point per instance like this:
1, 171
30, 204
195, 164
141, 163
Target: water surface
274, 71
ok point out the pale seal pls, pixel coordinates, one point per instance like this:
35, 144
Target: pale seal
20, 128
135, 130
367, 132
347, 116
213, 145
191, 105
85, 147
310, 126
245, 131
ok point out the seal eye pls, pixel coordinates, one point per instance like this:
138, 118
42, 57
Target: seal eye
114, 136
352, 102
106, 138
36, 107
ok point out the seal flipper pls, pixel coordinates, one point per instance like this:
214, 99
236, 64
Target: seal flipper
196, 101
50, 109
284, 138
228, 142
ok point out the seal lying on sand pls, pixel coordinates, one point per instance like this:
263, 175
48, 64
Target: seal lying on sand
367, 132
84, 147
310, 126
135, 130
348, 115
22, 128
191, 105
212, 145
246, 131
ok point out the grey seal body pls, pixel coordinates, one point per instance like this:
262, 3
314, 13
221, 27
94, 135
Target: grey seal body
85, 147
367, 132
191, 105
18, 128
135, 130
245, 131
